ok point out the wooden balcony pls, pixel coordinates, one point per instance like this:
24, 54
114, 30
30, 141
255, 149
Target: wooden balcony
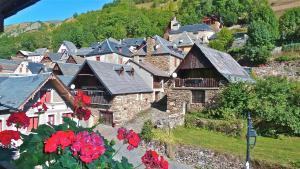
157, 85
98, 97
197, 82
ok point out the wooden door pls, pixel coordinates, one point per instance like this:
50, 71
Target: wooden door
106, 117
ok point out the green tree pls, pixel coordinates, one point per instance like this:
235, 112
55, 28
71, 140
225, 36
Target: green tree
224, 40
289, 25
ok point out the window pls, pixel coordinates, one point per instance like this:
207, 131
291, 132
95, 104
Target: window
27, 70
98, 58
34, 122
51, 119
198, 96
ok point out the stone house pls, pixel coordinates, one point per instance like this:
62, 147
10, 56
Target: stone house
27, 68
110, 51
199, 78
37, 55
202, 32
117, 92
185, 42
20, 92
75, 59
50, 58
66, 69
160, 53
153, 76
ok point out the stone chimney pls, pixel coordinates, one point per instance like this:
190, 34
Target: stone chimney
175, 25
150, 46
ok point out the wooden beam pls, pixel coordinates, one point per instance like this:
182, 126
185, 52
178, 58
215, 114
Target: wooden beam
1, 23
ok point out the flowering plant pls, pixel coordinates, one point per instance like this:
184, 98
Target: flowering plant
20, 119
81, 103
152, 161
41, 107
7, 136
129, 137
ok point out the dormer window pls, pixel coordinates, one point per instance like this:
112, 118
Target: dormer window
119, 69
97, 58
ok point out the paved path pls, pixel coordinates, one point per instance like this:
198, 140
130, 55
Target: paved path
135, 155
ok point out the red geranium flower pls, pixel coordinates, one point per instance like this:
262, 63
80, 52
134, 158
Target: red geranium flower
7, 136
152, 161
60, 139
81, 102
130, 137
42, 107
90, 146
20, 119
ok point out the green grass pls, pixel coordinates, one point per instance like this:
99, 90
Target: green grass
277, 151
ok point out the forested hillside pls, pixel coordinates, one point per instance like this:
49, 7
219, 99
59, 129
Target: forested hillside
128, 18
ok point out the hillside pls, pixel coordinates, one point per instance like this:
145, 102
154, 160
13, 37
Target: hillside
16, 29
280, 6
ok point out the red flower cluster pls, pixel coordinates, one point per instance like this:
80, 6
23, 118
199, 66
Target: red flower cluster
81, 102
152, 161
18, 118
129, 137
90, 146
42, 108
82, 113
7, 135
60, 139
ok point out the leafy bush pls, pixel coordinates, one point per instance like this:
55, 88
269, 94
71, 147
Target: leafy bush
223, 41
286, 58
147, 131
291, 47
289, 24
228, 127
274, 103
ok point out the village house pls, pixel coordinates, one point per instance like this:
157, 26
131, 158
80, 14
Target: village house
75, 59
21, 55
37, 55
185, 42
202, 31
68, 47
21, 92
27, 68
8, 66
50, 59
66, 69
110, 51
133, 44
197, 80
117, 92
153, 76
160, 53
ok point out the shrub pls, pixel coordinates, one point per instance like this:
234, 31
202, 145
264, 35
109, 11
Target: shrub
147, 131
228, 127
286, 58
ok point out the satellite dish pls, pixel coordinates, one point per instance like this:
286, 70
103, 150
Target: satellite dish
174, 75
72, 86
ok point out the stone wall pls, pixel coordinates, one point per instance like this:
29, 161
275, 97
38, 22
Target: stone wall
291, 70
125, 107
160, 61
180, 100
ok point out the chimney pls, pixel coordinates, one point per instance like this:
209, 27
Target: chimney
150, 46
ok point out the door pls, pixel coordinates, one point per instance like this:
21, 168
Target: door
106, 117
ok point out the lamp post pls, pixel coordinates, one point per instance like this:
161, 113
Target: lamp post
251, 139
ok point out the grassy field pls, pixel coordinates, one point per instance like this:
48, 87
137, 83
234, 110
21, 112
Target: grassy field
278, 151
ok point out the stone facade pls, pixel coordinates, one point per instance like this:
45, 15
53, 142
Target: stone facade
125, 107
179, 100
162, 62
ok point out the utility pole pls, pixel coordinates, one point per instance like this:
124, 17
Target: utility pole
247, 166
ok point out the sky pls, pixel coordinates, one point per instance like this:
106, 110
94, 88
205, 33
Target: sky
47, 10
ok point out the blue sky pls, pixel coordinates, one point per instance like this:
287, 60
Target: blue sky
46, 10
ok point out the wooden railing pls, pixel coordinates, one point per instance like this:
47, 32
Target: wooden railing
157, 85
196, 82
98, 97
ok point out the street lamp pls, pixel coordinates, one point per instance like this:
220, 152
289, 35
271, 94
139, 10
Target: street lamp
251, 139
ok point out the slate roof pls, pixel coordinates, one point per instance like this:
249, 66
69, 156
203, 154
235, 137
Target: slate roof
38, 52
35, 68
162, 46
110, 46
192, 28
151, 68
10, 65
185, 40
84, 51
72, 49
116, 83
65, 79
69, 69
54, 57
133, 41
225, 64
15, 90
